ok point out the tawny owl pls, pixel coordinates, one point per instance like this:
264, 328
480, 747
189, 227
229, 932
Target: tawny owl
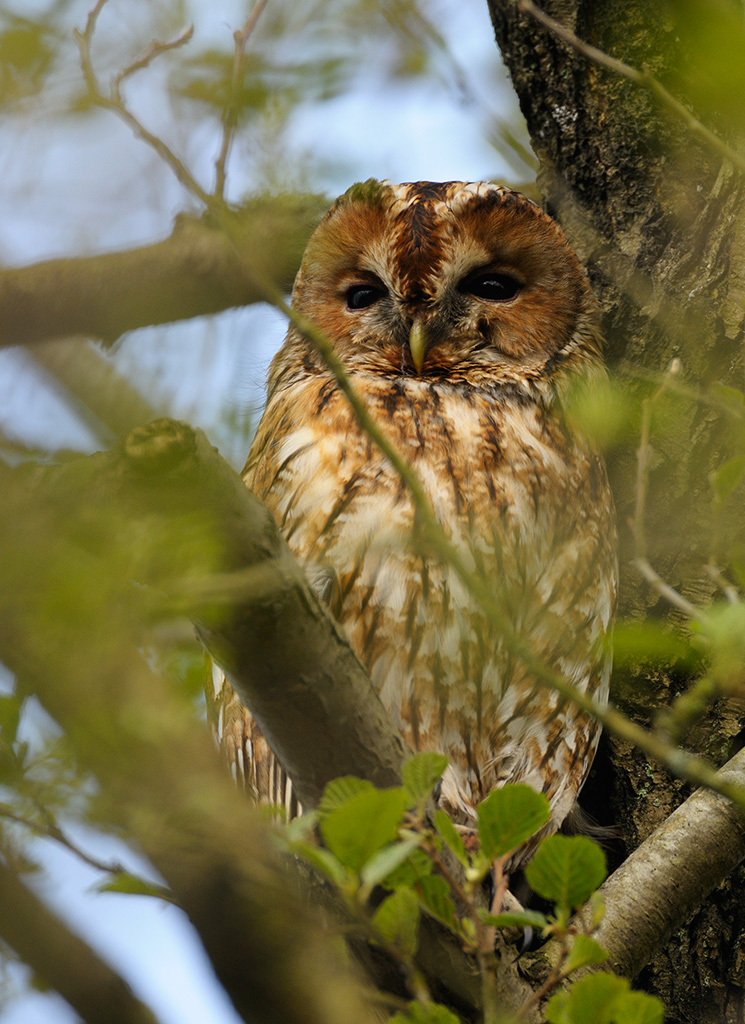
463, 318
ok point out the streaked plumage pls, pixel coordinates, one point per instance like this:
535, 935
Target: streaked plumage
463, 316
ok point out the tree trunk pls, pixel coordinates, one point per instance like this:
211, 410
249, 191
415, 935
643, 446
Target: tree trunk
657, 217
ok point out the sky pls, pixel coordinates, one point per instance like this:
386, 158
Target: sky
78, 185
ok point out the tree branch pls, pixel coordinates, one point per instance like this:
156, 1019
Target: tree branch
664, 881
63, 959
196, 271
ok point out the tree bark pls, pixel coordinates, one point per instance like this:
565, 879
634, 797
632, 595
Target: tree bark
657, 218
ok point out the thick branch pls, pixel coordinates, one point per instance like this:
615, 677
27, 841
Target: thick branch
64, 960
197, 270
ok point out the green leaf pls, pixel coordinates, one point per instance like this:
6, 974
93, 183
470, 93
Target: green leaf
421, 773
585, 951
638, 1008
435, 898
424, 1013
323, 861
299, 828
416, 866
133, 885
364, 824
338, 791
516, 919
566, 870
451, 836
726, 478
397, 920
508, 817
592, 1000
382, 863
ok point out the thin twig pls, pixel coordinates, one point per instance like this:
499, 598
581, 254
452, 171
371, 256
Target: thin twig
230, 114
50, 830
730, 592
155, 49
115, 102
643, 461
642, 78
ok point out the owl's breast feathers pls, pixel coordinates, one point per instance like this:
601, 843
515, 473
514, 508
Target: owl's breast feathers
528, 506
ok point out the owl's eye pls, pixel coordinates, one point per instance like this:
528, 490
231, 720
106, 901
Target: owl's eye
491, 285
360, 296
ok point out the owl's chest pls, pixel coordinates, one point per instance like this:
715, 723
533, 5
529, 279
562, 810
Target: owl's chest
496, 477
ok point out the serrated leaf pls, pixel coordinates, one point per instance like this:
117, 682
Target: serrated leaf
508, 817
364, 824
133, 885
638, 1008
585, 951
592, 1000
421, 773
566, 870
424, 1013
516, 919
338, 791
397, 920
381, 864
323, 861
435, 898
451, 836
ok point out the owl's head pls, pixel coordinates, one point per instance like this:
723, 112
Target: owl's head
458, 280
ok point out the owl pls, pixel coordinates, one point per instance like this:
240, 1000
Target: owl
464, 320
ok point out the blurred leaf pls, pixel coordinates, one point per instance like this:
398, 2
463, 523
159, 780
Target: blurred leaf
435, 897
516, 919
452, 837
397, 920
585, 951
357, 829
133, 885
508, 817
338, 791
10, 716
421, 773
728, 477
650, 641
323, 861
424, 1013
567, 870
26, 55
729, 398
381, 864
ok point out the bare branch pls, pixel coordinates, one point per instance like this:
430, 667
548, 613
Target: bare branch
659, 886
230, 114
196, 271
63, 960
113, 101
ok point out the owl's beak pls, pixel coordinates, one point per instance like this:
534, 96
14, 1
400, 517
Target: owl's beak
418, 344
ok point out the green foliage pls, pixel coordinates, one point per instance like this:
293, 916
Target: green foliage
603, 999
365, 823
424, 1013
566, 870
508, 817
397, 920
420, 774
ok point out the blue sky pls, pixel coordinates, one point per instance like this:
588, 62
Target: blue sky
83, 185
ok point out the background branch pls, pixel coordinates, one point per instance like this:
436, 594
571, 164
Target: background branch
196, 271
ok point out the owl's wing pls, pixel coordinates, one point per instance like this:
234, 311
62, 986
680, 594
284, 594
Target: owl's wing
251, 760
